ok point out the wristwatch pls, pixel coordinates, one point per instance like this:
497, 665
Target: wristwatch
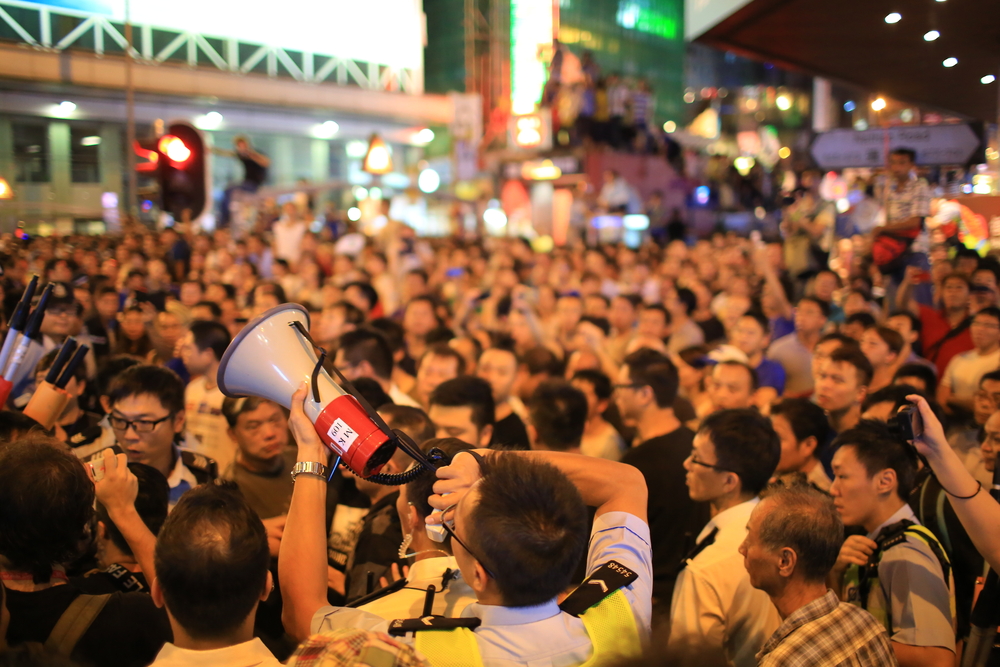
309, 468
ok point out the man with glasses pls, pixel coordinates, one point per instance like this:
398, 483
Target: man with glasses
146, 413
716, 611
518, 525
645, 394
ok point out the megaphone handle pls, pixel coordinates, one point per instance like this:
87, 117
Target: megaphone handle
411, 449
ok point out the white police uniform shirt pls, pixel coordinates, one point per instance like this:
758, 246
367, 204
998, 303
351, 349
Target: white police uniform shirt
714, 607
407, 602
545, 635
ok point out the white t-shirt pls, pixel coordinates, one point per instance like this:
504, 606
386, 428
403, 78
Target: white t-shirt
288, 239
965, 370
207, 428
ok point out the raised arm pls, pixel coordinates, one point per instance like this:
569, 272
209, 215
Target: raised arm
607, 485
117, 491
302, 563
976, 509
904, 295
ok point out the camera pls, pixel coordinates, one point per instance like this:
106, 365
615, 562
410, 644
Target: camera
907, 424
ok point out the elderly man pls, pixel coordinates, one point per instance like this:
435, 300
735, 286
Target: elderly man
793, 538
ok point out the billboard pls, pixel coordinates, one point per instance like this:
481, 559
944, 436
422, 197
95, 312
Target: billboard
386, 32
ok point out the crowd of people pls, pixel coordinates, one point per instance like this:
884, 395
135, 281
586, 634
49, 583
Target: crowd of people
680, 454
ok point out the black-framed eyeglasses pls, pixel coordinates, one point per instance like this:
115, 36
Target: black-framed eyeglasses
140, 425
710, 465
448, 523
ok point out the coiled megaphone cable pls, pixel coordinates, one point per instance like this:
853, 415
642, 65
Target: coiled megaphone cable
427, 462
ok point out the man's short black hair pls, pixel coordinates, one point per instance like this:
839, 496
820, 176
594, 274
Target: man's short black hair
371, 296
601, 323
152, 504
804, 519
372, 391
878, 450
391, 329
558, 413
421, 488
212, 560
660, 309
993, 376
111, 368
866, 320
467, 391
352, 314
892, 338
596, 379
824, 306
444, 350
908, 153
14, 425
209, 335
412, 421
745, 443
146, 379
46, 503
915, 323
368, 345
922, 371
649, 368
844, 339
894, 393
989, 311
688, 299
760, 319
853, 355
212, 306
806, 419
530, 525
542, 360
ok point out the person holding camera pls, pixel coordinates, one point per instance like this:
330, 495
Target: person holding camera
898, 571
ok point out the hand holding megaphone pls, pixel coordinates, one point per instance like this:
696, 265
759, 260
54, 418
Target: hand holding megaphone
310, 446
274, 356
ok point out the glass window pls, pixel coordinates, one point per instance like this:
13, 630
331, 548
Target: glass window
31, 152
84, 151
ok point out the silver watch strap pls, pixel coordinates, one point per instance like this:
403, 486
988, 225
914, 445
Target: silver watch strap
309, 468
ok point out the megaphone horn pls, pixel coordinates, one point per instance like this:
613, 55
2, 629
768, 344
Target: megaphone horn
273, 355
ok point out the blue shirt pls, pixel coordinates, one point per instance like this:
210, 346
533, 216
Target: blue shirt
781, 326
771, 374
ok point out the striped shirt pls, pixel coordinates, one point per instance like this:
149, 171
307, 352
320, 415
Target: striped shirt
828, 633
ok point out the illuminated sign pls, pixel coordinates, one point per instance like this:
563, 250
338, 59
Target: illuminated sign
634, 15
532, 130
530, 37
387, 32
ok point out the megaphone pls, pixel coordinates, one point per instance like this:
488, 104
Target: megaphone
274, 354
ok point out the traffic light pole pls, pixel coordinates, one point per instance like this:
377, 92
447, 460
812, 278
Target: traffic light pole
131, 197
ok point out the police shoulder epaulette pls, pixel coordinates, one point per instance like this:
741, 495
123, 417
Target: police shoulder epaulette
403, 626
606, 580
397, 585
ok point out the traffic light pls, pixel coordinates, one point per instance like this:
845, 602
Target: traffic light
176, 162
183, 171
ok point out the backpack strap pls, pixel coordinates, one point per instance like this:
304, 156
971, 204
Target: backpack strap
928, 538
453, 648
74, 623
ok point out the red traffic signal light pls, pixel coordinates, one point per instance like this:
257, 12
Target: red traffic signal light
175, 150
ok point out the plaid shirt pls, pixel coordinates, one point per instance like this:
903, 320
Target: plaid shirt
828, 633
913, 199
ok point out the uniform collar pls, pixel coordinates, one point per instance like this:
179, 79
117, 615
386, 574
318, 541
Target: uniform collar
738, 514
431, 570
493, 614
904, 512
246, 654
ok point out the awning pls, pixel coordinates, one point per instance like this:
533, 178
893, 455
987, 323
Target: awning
849, 41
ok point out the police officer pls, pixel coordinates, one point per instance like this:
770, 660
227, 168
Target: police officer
517, 523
